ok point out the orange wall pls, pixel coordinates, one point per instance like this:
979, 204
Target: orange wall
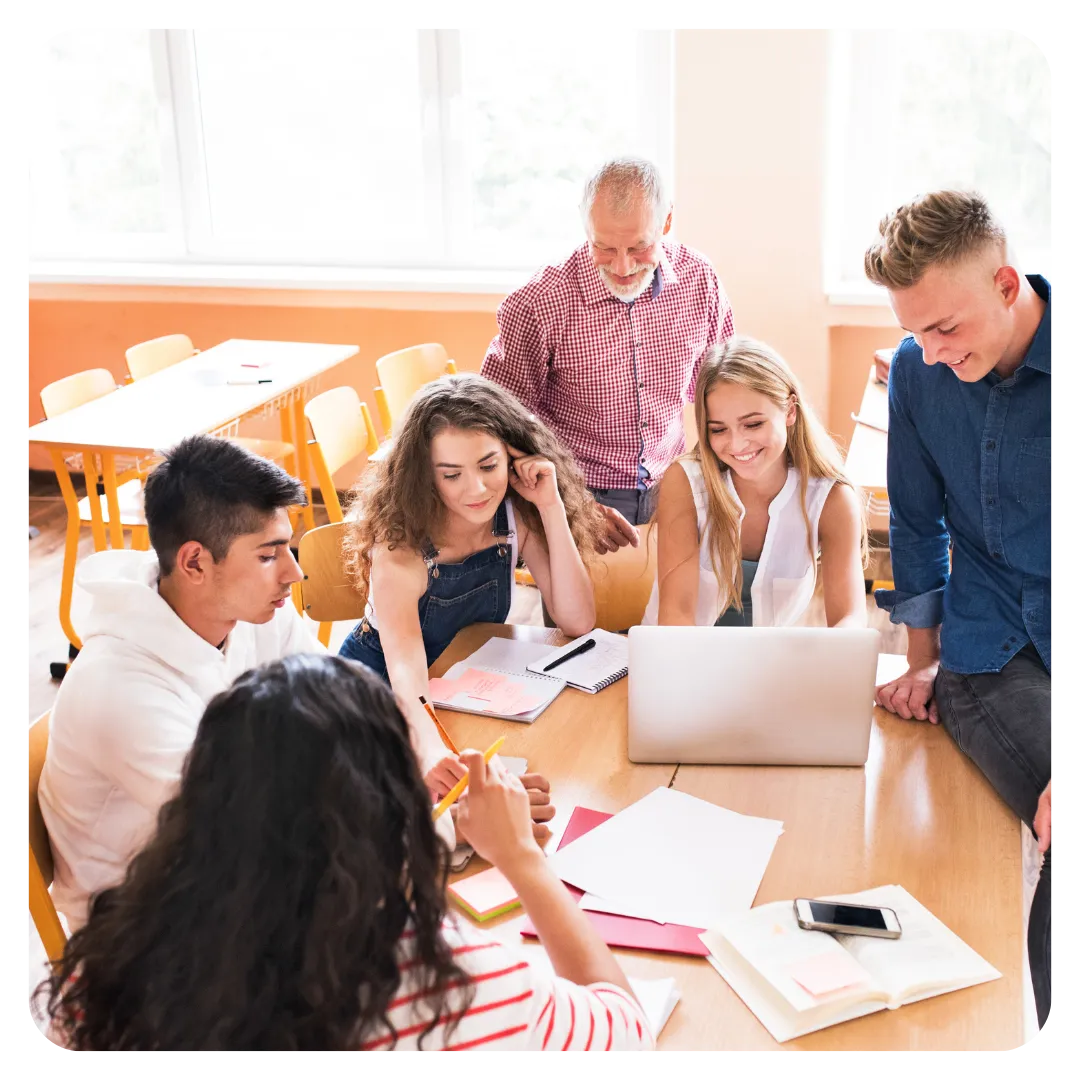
851, 353
69, 335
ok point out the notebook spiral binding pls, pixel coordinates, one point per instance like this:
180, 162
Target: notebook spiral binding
603, 684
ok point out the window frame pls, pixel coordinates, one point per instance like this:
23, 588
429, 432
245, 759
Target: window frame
189, 253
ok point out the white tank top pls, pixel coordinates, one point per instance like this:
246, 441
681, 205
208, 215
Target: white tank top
511, 524
784, 583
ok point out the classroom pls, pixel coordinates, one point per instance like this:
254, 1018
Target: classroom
524, 558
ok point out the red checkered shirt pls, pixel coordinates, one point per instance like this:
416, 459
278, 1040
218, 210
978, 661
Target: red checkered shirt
611, 378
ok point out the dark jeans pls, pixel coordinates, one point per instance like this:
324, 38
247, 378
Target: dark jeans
1001, 720
636, 506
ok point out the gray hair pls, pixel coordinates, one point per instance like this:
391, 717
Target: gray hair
622, 182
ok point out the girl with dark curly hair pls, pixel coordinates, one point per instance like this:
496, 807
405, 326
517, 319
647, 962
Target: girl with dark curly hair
293, 898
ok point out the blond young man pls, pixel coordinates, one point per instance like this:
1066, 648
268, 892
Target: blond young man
969, 467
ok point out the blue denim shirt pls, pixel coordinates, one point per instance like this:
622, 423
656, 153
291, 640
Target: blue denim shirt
970, 462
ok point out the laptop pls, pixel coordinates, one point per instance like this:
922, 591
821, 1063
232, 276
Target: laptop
718, 695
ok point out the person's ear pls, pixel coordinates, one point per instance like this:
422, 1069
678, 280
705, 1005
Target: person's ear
792, 411
192, 562
1007, 283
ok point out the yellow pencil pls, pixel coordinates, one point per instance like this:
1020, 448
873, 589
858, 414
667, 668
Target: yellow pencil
454, 793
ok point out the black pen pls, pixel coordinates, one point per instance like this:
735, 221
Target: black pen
584, 647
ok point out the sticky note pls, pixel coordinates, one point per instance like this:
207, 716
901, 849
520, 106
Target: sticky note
485, 895
828, 972
512, 699
443, 689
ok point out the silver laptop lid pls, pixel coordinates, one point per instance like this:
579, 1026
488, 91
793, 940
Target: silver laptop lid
751, 695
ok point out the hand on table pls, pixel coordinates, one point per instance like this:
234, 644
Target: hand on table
912, 695
619, 531
540, 807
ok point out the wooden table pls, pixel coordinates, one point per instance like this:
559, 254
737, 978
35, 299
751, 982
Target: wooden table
188, 398
918, 815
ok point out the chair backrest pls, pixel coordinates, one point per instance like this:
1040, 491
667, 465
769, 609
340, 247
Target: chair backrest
402, 373
162, 352
74, 390
41, 861
327, 592
623, 581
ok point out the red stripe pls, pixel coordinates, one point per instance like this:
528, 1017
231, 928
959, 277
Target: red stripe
551, 1024
592, 1028
456, 983
570, 1036
404, 1033
610, 1031
638, 1023
488, 1038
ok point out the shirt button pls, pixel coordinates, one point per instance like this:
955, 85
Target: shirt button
997, 554
641, 386
644, 424
990, 502
991, 444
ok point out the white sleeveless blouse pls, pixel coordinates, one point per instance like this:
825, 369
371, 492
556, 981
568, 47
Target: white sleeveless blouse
784, 583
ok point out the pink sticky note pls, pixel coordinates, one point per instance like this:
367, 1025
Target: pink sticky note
486, 894
443, 689
512, 699
827, 972
479, 684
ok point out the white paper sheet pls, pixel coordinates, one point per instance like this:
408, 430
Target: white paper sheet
592, 902
673, 858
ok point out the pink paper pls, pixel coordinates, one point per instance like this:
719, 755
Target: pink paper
480, 684
512, 699
485, 891
443, 689
827, 972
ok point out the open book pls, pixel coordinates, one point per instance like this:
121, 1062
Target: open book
494, 681
796, 981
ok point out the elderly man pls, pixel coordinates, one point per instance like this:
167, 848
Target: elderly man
605, 347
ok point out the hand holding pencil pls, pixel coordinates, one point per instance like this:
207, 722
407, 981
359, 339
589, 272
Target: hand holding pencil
495, 818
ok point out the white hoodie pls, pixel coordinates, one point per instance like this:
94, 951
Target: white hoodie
126, 715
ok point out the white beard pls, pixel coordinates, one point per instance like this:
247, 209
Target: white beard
626, 293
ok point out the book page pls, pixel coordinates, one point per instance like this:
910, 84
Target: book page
770, 939
509, 656
927, 956
608, 657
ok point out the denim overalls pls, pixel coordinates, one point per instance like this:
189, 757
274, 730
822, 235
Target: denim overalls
458, 595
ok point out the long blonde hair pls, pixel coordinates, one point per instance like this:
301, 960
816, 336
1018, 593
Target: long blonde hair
742, 361
395, 501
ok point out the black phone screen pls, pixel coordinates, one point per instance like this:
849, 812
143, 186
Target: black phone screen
847, 915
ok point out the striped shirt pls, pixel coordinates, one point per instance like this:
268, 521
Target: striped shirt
611, 378
516, 1005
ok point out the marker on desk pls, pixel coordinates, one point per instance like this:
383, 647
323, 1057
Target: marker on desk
455, 792
447, 741
584, 647
242, 380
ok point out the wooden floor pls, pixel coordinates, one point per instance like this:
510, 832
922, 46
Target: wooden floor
48, 644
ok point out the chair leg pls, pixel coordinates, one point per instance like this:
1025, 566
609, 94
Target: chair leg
140, 538
324, 633
297, 599
67, 580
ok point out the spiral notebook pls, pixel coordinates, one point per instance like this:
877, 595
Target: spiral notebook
607, 662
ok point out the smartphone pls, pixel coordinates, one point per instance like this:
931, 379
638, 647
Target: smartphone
847, 918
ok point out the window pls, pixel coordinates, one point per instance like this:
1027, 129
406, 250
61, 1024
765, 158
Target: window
382, 148
915, 111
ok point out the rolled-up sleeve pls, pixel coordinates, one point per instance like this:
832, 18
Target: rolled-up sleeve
918, 537
517, 358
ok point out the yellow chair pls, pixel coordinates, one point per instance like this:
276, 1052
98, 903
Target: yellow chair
623, 580
402, 373
340, 429
327, 592
42, 909
60, 397
149, 357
